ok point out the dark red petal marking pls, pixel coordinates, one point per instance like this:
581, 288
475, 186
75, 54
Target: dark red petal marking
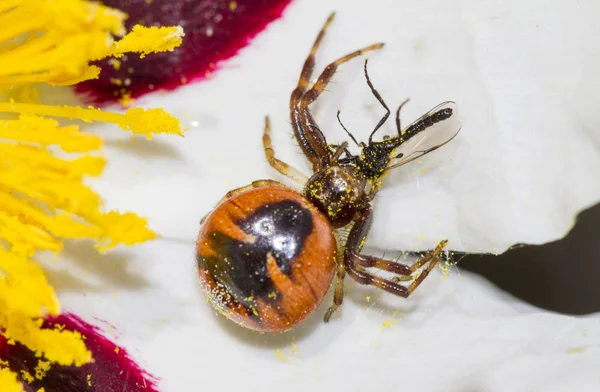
112, 370
214, 30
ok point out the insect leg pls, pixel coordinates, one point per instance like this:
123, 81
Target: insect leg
398, 125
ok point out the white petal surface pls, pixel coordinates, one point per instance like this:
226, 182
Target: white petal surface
524, 76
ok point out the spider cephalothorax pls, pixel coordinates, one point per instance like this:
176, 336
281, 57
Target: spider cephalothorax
339, 191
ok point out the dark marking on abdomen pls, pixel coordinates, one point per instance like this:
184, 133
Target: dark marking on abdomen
279, 229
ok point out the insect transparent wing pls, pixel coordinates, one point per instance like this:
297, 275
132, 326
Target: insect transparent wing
430, 139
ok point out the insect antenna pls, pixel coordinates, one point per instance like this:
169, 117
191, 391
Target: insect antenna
347, 131
381, 101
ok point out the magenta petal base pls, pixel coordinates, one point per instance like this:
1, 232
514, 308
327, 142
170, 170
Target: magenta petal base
214, 31
112, 370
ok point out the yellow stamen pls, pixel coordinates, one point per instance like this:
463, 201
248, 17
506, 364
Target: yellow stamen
136, 120
9, 382
43, 198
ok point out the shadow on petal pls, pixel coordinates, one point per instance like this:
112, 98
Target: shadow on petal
560, 276
143, 148
93, 272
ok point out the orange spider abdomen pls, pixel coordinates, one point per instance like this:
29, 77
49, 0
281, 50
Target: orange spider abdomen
266, 258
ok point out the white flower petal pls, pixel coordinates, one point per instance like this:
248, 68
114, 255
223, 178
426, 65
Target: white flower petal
525, 78
523, 165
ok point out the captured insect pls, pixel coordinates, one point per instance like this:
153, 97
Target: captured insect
267, 254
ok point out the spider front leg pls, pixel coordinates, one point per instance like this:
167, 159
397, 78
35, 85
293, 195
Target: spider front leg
311, 95
356, 263
303, 121
307, 132
311, 139
333, 148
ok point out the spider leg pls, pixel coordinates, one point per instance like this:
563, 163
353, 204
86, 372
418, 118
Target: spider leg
424, 257
309, 136
338, 294
311, 95
338, 151
278, 165
305, 118
356, 263
334, 148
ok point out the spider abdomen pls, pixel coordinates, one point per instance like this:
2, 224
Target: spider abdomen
266, 258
